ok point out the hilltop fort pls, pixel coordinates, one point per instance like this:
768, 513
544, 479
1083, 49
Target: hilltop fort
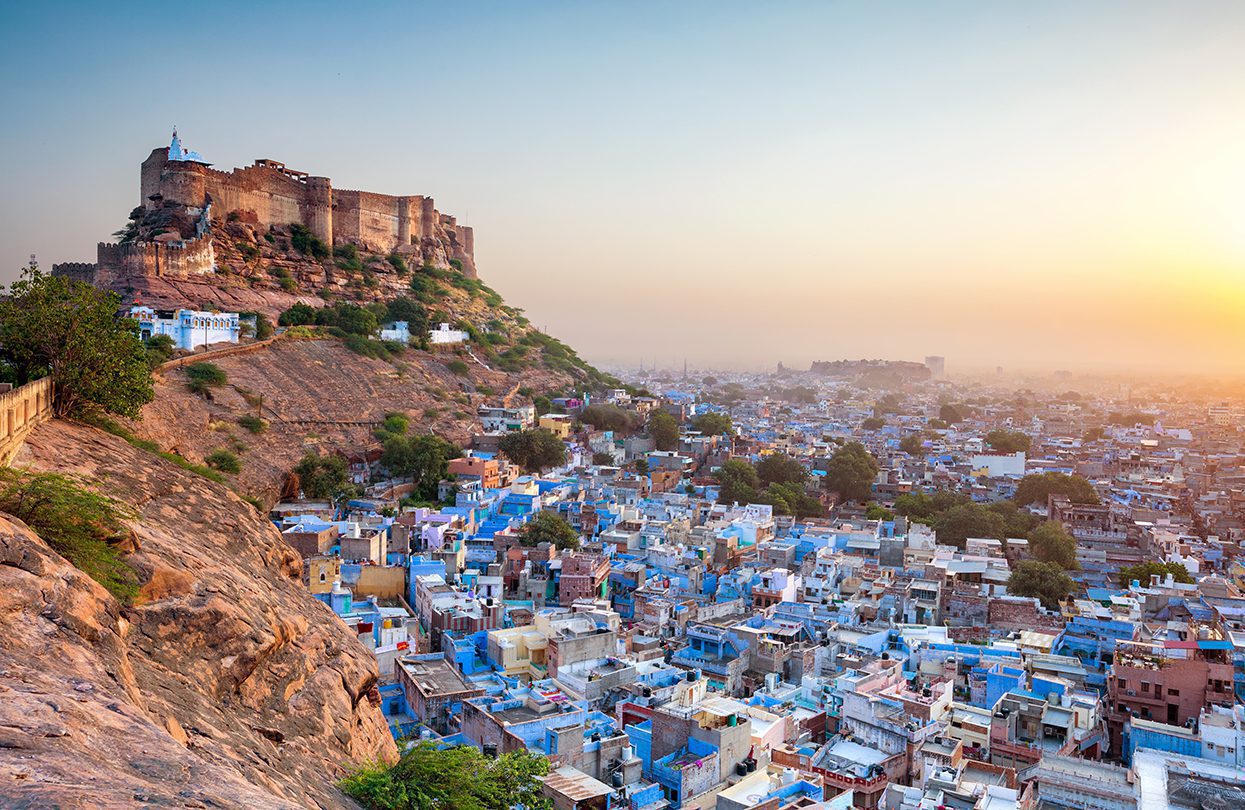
248, 230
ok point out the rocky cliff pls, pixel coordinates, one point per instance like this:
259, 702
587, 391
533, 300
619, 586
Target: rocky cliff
225, 685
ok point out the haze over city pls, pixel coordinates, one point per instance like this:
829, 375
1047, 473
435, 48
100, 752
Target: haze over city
739, 184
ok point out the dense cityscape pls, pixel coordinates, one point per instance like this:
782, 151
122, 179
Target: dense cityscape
866, 585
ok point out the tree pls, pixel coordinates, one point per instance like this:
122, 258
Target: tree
1141, 572
1050, 543
873, 423
1044, 580
1017, 522
548, 527
160, 349
714, 424
202, 376
324, 477
780, 468
912, 444
602, 459
461, 777
1008, 441
950, 414
850, 472
1094, 434
610, 417
641, 466
875, 511
423, 458
1038, 487
664, 429
299, 314
790, 499
533, 449
52, 326
965, 520
737, 481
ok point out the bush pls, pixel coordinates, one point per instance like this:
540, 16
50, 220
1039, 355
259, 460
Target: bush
288, 284
224, 460
458, 367
253, 423
347, 257
302, 240
202, 376
82, 526
397, 263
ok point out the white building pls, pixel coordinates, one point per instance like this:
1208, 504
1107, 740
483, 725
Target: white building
443, 334
189, 328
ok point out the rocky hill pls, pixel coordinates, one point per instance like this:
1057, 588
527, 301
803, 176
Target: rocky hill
225, 685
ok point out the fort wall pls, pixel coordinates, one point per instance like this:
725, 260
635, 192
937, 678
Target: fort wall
193, 257
21, 409
277, 195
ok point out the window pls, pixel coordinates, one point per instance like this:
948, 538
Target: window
1145, 686
1173, 693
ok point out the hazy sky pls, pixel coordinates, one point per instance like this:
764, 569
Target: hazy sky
1025, 184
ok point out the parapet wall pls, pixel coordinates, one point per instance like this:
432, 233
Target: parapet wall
193, 257
21, 409
280, 196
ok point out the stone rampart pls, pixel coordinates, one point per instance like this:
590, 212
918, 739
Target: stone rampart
21, 409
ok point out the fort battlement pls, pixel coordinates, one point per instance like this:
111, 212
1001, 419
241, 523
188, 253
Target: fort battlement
275, 194
181, 259
21, 409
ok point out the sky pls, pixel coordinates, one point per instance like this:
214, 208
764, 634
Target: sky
1031, 185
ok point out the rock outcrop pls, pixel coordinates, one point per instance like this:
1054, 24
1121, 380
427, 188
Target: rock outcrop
225, 685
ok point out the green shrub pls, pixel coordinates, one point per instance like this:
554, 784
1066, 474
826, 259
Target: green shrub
82, 526
253, 423
202, 376
224, 460
458, 367
397, 263
347, 257
306, 243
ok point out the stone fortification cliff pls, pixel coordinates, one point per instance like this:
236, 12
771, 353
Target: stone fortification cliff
225, 685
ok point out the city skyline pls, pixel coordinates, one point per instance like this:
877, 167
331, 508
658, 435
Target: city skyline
1047, 188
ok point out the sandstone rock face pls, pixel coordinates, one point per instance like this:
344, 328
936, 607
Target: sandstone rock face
318, 396
225, 685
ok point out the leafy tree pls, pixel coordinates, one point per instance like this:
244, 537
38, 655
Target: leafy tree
1044, 580
428, 777
84, 527
875, 511
912, 444
160, 349
1050, 543
1094, 434
850, 472
873, 423
610, 417
1008, 441
533, 449
664, 429
790, 499
938, 424
1017, 522
780, 468
602, 459
641, 466
305, 242
950, 414
888, 404
416, 317
423, 458
52, 326
548, 527
299, 314
1141, 572
1037, 487
965, 520
324, 477
737, 481
1130, 419
714, 424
